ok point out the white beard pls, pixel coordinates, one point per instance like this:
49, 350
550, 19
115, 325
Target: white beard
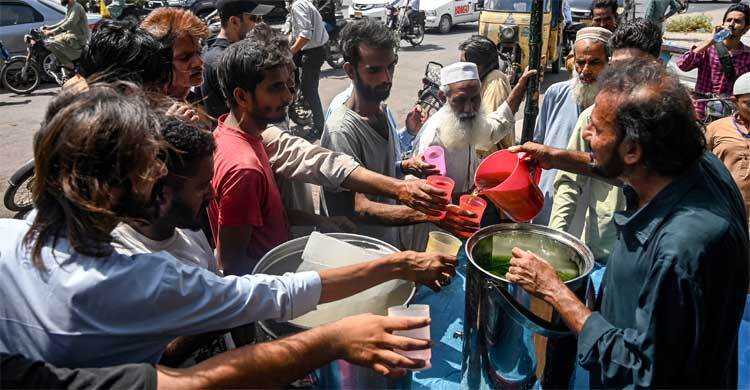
455, 133
584, 94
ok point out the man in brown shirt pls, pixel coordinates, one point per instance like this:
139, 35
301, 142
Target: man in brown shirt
729, 138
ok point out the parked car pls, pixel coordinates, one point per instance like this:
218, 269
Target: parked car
18, 17
204, 7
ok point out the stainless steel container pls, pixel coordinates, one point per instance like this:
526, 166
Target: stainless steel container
511, 338
339, 374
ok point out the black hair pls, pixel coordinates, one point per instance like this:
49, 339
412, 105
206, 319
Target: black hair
365, 32
740, 7
481, 51
121, 51
243, 63
639, 33
611, 4
189, 145
656, 112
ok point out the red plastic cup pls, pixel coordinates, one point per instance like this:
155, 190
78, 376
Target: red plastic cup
475, 205
444, 184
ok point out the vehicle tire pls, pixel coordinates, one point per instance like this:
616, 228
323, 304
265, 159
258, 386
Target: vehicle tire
203, 13
334, 60
18, 195
47, 66
300, 114
12, 79
419, 37
445, 24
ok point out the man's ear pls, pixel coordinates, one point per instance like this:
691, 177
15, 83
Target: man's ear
164, 200
243, 98
632, 153
350, 70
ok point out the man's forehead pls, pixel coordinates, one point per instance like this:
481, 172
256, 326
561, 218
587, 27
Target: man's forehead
373, 56
590, 47
465, 87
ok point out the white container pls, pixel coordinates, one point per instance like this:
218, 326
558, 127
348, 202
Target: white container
420, 333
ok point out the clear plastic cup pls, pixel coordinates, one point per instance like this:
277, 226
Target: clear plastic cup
475, 205
439, 242
445, 184
420, 333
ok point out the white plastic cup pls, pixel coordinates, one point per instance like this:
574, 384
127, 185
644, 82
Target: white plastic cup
420, 333
435, 155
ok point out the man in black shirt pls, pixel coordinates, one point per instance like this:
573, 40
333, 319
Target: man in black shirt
674, 290
238, 17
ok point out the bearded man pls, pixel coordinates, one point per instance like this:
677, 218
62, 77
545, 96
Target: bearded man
459, 126
564, 101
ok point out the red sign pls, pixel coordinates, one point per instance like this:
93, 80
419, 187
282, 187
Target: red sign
462, 9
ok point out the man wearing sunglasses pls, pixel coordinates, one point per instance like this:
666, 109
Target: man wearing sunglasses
238, 17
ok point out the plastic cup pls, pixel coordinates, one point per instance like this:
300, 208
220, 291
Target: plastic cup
419, 333
445, 184
475, 205
439, 242
435, 155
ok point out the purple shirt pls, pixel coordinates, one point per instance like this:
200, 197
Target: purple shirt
710, 76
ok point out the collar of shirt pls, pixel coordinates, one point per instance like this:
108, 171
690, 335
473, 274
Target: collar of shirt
222, 128
643, 223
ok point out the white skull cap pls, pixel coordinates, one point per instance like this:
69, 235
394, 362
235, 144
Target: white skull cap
460, 71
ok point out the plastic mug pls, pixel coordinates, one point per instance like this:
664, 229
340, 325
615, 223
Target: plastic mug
419, 333
435, 155
445, 184
439, 242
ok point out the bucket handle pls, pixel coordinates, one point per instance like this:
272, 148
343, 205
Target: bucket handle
524, 317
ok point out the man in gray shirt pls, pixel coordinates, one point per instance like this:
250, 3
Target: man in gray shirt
361, 129
309, 35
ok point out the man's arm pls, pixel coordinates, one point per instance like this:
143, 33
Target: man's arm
364, 340
303, 25
567, 160
695, 57
75, 15
231, 250
674, 6
642, 355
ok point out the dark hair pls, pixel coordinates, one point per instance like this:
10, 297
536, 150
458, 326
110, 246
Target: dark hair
639, 33
243, 63
94, 155
655, 112
368, 33
121, 51
740, 7
481, 51
611, 4
189, 145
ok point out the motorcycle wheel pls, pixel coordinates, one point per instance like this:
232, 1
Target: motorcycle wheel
334, 60
299, 114
18, 195
417, 39
13, 79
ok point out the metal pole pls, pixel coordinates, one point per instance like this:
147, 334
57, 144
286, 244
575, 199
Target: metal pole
535, 62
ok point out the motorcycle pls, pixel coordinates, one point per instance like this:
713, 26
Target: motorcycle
23, 74
717, 106
428, 96
414, 32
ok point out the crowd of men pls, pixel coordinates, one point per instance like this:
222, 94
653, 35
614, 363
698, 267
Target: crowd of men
150, 213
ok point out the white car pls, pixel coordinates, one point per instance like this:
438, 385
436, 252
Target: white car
371, 9
444, 14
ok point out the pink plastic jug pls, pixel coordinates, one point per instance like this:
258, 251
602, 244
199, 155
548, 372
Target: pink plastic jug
511, 183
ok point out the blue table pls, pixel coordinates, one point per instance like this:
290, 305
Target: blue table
447, 312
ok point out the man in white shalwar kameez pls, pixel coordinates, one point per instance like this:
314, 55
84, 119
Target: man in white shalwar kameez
458, 127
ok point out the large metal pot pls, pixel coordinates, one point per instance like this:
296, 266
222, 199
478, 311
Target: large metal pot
339, 374
511, 338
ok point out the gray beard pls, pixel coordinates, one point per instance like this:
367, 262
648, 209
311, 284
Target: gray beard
457, 133
584, 94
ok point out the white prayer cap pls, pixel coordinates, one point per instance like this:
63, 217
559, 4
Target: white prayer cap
595, 33
742, 85
460, 71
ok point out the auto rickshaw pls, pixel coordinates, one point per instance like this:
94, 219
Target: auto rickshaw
506, 22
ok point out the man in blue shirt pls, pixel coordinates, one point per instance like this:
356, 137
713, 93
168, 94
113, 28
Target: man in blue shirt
674, 290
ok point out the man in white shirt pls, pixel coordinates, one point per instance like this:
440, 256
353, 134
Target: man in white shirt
309, 35
458, 127
69, 299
